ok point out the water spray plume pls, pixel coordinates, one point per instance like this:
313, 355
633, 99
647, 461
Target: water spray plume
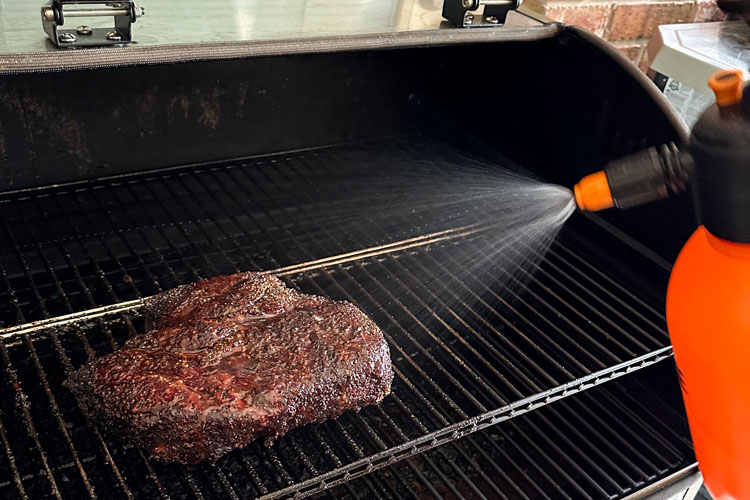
506, 218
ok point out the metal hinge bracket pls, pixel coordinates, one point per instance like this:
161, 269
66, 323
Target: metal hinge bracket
465, 13
56, 12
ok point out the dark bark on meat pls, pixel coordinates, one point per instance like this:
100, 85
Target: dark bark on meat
230, 359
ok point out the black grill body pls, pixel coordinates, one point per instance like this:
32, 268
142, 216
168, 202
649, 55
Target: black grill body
552, 381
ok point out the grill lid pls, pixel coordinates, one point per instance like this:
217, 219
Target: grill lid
190, 30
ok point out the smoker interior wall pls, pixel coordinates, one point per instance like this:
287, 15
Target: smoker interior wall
562, 108
559, 106
60, 127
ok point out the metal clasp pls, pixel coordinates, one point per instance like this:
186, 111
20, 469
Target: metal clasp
56, 12
465, 13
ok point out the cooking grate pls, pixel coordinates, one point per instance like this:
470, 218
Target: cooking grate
468, 351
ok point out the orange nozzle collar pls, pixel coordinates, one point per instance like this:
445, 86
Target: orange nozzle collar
593, 193
727, 85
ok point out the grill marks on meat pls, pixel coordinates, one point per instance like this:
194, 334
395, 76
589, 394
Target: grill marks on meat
230, 359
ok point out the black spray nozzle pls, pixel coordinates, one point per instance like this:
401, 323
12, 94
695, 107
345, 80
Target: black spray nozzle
648, 175
638, 178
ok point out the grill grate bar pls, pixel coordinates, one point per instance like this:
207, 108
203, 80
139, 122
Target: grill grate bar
404, 437
93, 313
504, 361
475, 372
461, 451
402, 331
538, 468
199, 199
393, 426
39, 473
66, 361
32, 329
664, 442
438, 418
233, 266
554, 255
159, 229
224, 482
17, 480
617, 435
594, 311
467, 371
663, 430
423, 401
48, 265
113, 296
408, 149
429, 461
21, 403
601, 275
341, 432
553, 464
308, 465
521, 301
423, 375
191, 484
183, 231
498, 336
484, 287
373, 436
108, 455
334, 459
254, 477
602, 455
20, 399
587, 402
40, 371
111, 254
55, 410
523, 285
362, 424
508, 306
591, 465
559, 485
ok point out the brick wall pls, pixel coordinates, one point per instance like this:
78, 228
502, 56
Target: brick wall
627, 24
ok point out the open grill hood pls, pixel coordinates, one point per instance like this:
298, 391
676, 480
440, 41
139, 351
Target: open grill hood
558, 385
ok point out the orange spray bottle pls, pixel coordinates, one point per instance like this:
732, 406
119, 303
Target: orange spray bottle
708, 298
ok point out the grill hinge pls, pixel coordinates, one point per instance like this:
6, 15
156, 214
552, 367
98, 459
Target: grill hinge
466, 14
56, 12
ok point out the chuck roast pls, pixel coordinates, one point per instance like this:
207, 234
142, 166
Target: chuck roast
230, 359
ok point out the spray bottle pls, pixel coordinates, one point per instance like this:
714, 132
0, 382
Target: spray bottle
708, 297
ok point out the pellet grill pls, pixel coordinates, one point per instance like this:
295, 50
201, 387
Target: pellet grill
209, 147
